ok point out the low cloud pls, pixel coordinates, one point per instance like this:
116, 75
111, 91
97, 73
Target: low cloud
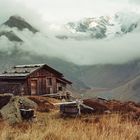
115, 51
85, 52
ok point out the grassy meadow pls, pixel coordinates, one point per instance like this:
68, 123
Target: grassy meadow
50, 126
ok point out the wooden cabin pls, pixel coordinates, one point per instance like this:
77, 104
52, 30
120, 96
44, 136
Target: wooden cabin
38, 79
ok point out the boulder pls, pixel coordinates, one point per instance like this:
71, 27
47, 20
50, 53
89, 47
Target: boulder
11, 111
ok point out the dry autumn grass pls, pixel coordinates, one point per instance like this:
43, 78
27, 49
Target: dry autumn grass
51, 127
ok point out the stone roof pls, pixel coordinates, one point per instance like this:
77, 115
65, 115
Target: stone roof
25, 70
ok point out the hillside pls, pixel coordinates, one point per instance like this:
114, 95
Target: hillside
109, 76
49, 124
51, 127
129, 91
11, 36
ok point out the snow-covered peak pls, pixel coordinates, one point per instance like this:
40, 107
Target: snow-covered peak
105, 26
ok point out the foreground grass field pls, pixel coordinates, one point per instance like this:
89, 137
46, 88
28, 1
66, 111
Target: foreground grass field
50, 126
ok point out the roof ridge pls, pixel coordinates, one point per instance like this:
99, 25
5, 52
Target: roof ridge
29, 65
26, 70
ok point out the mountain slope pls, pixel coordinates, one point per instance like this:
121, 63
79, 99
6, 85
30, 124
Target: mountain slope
15, 26
20, 23
108, 76
11, 36
129, 91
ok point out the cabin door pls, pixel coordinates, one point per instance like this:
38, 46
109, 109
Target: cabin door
49, 90
33, 87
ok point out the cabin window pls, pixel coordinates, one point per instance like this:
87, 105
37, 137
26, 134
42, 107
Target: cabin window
49, 81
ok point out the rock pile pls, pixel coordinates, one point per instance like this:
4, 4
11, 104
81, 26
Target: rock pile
10, 107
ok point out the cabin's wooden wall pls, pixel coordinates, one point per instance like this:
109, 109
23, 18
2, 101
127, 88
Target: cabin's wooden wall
12, 86
41, 77
23, 86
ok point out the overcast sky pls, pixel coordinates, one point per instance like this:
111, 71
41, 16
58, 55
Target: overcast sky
64, 10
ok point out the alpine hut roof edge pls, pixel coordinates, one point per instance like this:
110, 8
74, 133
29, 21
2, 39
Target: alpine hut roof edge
64, 80
23, 71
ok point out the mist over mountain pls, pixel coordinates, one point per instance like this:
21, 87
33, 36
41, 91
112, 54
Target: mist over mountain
19, 23
11, 36
117, 40
105, 62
